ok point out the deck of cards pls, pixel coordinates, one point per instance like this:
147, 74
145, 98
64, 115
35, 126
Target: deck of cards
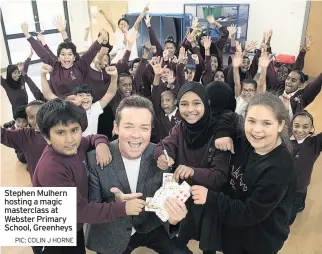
170, 188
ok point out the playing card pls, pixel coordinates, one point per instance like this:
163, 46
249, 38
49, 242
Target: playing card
151, 205
162, 214
183, 192
167, 179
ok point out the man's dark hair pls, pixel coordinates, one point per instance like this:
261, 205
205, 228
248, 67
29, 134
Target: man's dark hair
133, 101
57, 111
83, 88
20, 112
66, 45
123, 19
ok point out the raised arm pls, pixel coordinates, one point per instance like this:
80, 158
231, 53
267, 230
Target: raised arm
60, 24
86, 59
108, 19
140, 18
207, 76
13, 138
311, 91
263, 63
41, 39
236, 63
157, 89
153, 38
111, 91
140, 69
224, 32
48, 93
39, 49
299, 63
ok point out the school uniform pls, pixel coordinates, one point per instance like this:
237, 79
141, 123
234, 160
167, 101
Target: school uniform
255, 203
93, 114
16, 90
217, 46
58, 170
63, 81
305, 152
30, 142
192, 145
301, 98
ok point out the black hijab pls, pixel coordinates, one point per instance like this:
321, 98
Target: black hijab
10, 81
221, 98
198, 134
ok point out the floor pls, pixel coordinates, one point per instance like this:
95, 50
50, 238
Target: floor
306, 232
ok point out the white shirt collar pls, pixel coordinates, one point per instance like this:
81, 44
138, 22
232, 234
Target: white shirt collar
289, 96
298, 141
172, 114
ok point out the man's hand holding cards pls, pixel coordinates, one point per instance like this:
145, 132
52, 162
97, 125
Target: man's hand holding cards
170, 189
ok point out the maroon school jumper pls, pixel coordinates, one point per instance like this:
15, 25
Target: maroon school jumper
28, 141
19, 97
58, 170
63, 81
210, 165
305, 155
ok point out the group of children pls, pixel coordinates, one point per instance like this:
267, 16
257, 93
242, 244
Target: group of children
194, 96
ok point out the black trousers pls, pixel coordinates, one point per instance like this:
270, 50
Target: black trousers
79, 249
157, 240
298, 205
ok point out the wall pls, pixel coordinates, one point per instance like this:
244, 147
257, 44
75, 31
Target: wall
314, 55
114, 9
79, 20
286, 18
3, 51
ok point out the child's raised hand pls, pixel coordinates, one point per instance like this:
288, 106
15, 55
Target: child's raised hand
147, 46
265, 60
195, 22
171, 78
157, 65
111, 70
147, 20
25, 29
163, 163
195, 58
60, 23
153, 49
237, 59
103, 155
46, 68
207, 42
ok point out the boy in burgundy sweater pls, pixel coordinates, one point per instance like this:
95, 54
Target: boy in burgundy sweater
28, 141
63, 165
